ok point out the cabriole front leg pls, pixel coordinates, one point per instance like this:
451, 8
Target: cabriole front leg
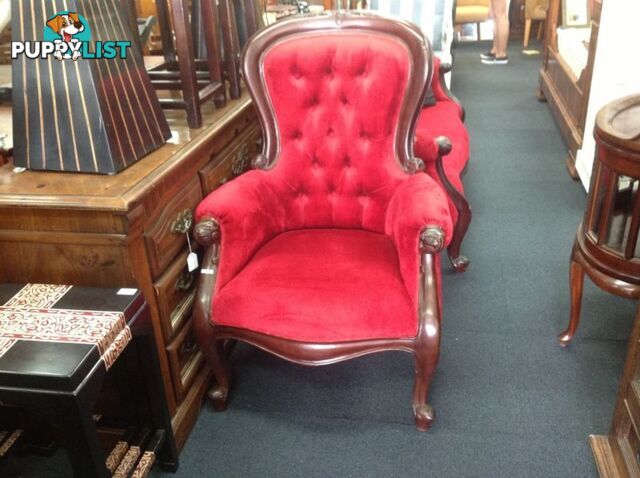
427, 344
459, 261
576, 279
207, 234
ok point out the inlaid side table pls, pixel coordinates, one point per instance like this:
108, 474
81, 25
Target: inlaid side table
57, 344
606, 245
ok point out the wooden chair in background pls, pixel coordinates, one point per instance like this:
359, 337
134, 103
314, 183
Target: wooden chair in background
198, 80
472, 11
534, 10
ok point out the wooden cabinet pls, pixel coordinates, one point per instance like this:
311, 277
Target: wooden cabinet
129, 230
617, 454
566, 92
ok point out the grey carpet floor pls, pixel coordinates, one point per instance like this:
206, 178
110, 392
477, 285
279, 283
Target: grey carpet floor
509, 401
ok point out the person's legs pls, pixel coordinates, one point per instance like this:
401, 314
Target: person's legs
500, 28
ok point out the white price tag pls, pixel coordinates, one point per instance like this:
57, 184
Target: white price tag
192, 261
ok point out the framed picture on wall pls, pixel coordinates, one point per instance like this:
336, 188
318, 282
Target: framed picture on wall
575, 13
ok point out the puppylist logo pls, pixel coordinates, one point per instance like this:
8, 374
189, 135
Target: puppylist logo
67, 35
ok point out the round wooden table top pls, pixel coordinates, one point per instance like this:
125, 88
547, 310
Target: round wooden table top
618, 123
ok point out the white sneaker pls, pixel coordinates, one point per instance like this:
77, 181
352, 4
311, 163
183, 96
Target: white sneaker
495, 60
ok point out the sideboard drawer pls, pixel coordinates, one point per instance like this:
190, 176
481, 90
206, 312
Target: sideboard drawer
232, 161
167, 236
185, 360
176, 292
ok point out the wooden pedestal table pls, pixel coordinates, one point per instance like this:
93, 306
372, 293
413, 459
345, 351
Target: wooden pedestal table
606, 246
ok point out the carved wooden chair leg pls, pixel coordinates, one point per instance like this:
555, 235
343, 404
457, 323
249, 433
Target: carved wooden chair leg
576, 277
427, 344
207, 234
231, 46
186, 59
215, 357
218, 394
211, 26
425, 369
459, 261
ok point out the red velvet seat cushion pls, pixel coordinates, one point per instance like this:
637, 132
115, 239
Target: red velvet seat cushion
320, 285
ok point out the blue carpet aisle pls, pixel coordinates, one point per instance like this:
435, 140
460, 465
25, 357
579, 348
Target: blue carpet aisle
509, 400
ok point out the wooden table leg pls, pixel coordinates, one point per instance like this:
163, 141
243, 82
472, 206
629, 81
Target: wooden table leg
80, 435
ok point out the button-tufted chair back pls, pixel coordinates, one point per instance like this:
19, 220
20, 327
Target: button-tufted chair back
338, 96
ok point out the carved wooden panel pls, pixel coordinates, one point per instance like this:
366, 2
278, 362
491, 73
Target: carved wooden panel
232, 161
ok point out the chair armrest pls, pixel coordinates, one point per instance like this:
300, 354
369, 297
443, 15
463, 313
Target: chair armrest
419, 205
439, 86
430, 149
247, 214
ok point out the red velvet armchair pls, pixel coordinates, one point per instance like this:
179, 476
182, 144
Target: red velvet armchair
329, 249
442, 142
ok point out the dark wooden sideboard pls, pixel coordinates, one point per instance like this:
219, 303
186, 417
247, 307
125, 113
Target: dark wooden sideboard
568, 96
129, 230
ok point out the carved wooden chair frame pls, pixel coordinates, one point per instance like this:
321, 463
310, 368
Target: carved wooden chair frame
214, 340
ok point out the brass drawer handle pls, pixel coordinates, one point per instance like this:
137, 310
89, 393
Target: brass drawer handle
182, 224
186, 281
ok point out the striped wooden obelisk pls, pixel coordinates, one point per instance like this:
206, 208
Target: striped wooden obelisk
89, 115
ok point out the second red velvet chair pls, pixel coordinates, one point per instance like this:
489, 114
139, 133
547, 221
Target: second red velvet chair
445, 117
329, 249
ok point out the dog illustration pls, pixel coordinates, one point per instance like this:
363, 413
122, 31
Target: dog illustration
66, 26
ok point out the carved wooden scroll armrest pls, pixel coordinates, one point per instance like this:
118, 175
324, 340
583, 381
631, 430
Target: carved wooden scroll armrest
444, 69
432, 240
207, 234
444, 147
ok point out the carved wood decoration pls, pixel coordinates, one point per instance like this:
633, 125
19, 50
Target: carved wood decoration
425, 346
96, 116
